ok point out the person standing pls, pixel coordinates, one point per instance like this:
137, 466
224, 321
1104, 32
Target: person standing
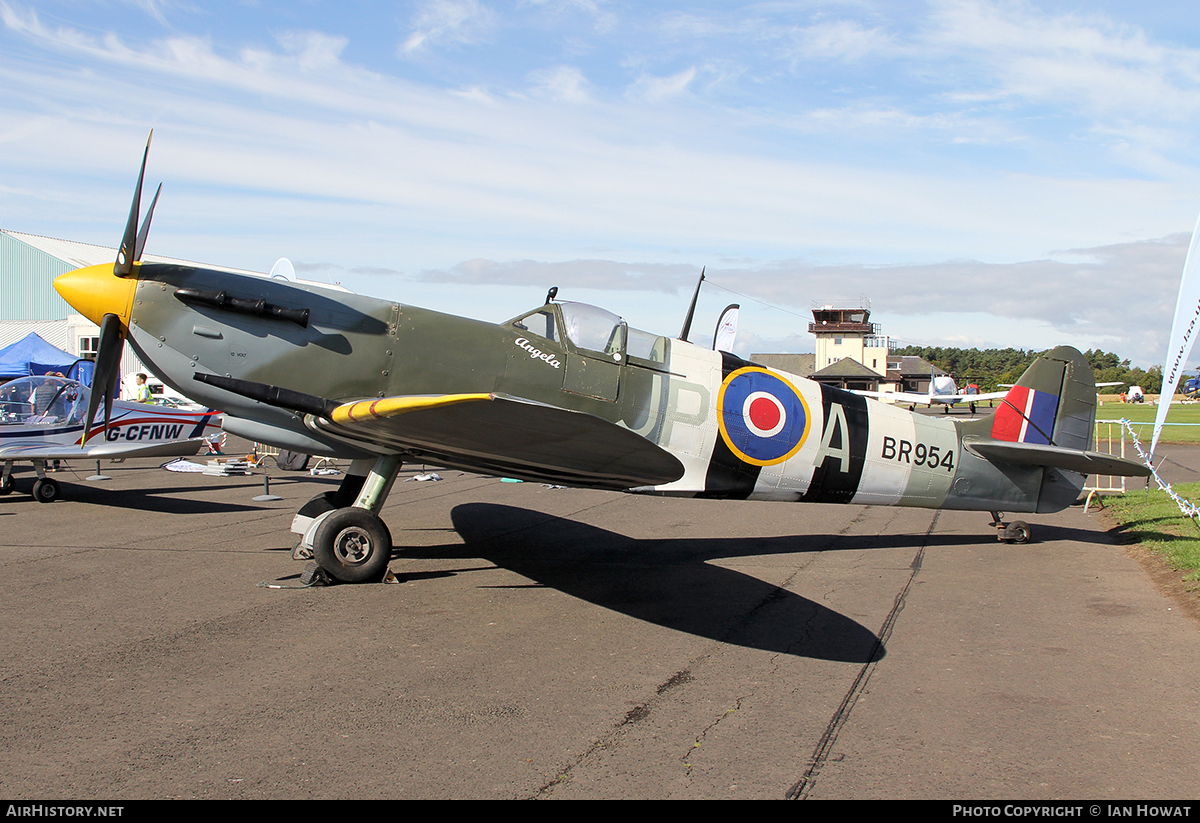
141, 394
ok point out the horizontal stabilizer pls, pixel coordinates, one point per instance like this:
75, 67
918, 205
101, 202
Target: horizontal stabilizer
1057, 457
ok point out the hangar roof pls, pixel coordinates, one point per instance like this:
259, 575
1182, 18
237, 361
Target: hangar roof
85, 254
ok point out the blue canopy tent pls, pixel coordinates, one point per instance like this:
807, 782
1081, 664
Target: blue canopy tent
33, 355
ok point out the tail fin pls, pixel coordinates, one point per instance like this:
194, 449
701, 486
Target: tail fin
1046, 420
1053, 404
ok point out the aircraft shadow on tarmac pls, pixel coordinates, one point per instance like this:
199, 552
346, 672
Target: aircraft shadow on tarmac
167, 499
666, 582
670, 583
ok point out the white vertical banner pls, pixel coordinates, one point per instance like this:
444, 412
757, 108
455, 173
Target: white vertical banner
1183, 334
726, 329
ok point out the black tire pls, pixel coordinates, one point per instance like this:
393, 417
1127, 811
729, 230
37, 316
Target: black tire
353, 546
45, 490
7, 485
1017, 531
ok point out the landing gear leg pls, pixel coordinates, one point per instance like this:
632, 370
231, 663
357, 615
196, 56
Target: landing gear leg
353, 544
1017, 531
7, 484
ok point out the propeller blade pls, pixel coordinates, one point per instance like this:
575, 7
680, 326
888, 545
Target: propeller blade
108, 371
110, 390
125, 256
145, 229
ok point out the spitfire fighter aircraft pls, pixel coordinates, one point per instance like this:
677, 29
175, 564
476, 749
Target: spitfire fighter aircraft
565, 393
42, 418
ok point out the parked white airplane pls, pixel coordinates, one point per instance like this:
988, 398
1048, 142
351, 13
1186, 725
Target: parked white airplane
41, 419
942, 390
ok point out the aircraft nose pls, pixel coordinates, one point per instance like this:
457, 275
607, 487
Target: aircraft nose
95, 291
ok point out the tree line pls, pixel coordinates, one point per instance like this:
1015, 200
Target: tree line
990, 367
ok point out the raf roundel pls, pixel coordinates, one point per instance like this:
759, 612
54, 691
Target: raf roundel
763, 418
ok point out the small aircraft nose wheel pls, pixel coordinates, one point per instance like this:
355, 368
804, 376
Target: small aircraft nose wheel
353, 545
45, 490
7, 484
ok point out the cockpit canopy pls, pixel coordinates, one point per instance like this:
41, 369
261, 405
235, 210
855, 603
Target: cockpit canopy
43, 400
592, 329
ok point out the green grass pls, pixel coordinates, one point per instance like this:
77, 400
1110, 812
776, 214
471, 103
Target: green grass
1154, 520
1143, 414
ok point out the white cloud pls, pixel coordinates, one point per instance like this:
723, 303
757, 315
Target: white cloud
657, 89
603, 20
1081, 296
1085, 62
837, 40
449, 21
565, 83
918, 142
313, 49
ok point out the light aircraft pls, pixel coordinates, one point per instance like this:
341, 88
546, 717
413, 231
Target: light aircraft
942, 390
565, 393
41, 419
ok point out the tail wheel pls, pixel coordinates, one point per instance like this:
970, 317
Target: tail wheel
1017, 532
353, 545
45, 490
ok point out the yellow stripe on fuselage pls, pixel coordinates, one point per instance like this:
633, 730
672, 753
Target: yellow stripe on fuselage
391, 406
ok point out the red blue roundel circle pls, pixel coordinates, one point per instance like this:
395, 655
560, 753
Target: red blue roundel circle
763, 418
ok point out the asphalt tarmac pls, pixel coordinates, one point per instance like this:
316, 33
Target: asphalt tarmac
553, 643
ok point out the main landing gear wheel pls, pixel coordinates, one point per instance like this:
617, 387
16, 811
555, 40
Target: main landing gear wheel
45, 490
1017, 532
7, 485
353, 545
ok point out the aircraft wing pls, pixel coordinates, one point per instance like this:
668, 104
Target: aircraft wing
909, 397
1032, 454
897, 396
508, 435
100, 451
975, 398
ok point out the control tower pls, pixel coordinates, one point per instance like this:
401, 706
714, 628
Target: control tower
843, 332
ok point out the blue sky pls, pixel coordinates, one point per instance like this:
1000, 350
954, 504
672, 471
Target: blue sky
985, 173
